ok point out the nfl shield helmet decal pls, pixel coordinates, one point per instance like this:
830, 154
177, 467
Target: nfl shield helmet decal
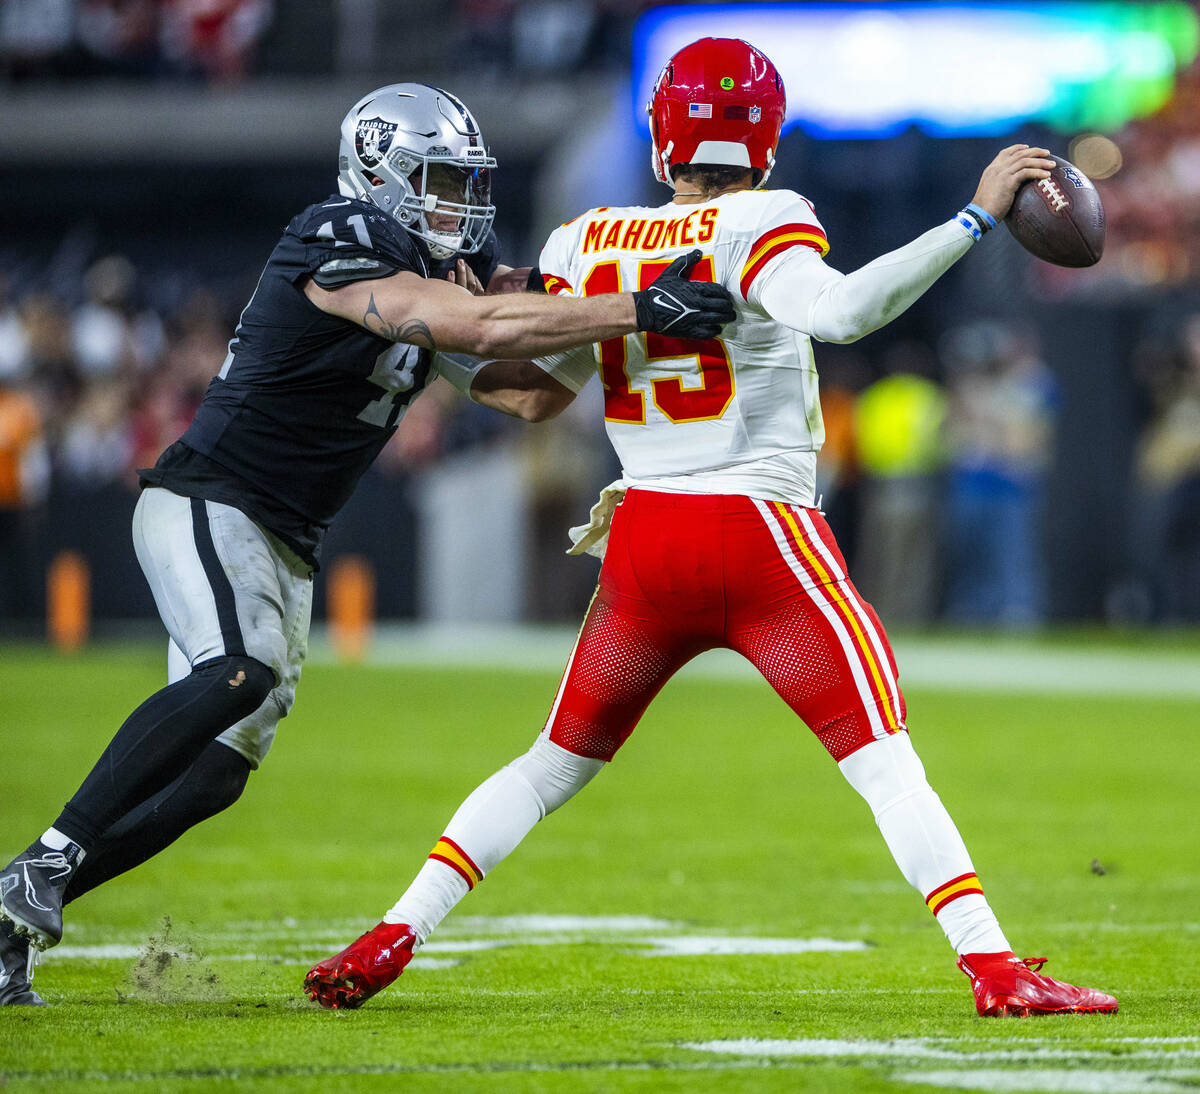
372, 140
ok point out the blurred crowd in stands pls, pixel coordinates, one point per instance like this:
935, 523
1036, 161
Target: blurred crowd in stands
933, 472
1152, 203
944, 456
223, 41
208, 39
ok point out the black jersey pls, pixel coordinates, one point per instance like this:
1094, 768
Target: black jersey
305, 400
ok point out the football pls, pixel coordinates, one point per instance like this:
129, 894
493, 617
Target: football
1059, 219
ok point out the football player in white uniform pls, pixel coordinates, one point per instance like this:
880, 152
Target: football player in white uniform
713, 536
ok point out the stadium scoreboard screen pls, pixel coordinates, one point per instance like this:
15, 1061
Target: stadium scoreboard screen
969, 69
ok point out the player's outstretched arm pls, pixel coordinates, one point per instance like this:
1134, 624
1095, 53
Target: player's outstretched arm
520, 388
807, 295
439, 316
442, 317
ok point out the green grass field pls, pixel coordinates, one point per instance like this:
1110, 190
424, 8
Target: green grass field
722, 829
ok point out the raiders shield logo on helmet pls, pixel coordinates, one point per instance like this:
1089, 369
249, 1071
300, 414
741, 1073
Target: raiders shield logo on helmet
372, 139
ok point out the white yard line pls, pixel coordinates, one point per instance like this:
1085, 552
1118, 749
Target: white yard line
1050, 1082
923, 1049
1054, 1082
1020, 1040
104, 951
515, 924
698, 945
319, 932
294, 943
1152, 1070
464, 924
963, 663
433, 963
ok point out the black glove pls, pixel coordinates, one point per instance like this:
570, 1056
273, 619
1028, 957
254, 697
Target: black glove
681, 308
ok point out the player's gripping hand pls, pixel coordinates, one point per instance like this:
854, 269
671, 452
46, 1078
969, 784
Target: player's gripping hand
1004, 175
682, 308
461, 274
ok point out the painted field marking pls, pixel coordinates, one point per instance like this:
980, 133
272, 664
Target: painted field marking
306, 1071
1054, 1082
1019, 1040
291, 942
334, 930
959, 662
462, 924
1093, 1071
433, 963
1070, 1082
119, 951
927, 1049
477, 945
104, 951
719, 946
514, 924
1068, 928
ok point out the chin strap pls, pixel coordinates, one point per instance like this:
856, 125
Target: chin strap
664, 159
767, 172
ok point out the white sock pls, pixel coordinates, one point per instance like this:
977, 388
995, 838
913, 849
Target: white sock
495, 817
56, 841
428, 900
924, 841
970, 925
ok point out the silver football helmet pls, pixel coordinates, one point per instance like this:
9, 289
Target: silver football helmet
416, 152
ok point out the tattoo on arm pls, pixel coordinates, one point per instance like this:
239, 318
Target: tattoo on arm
414, 331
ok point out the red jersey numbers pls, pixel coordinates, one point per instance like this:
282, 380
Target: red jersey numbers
712, 396
620, 403
701, 402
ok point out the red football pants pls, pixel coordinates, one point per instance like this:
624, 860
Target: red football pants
686, 573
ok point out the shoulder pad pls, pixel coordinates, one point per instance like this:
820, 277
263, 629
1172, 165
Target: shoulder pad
348, 228
782, 205
343, 271
788, 220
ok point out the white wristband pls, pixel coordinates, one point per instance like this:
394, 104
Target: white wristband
459, 369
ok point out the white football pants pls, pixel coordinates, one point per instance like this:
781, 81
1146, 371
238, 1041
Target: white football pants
225, 586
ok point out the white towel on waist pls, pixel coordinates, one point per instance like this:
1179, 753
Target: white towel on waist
592, 538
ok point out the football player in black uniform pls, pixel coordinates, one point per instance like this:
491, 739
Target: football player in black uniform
350, 321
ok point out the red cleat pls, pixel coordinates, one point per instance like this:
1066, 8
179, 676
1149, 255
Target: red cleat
1007, 987
363, 969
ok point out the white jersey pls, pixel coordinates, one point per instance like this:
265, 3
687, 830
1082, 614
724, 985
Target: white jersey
738, 414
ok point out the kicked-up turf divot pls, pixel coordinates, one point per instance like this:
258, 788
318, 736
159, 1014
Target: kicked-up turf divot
169, 969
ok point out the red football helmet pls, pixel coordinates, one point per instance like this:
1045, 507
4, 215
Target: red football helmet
718, 100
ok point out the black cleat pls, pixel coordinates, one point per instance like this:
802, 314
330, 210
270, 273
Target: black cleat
16, 970
31, 892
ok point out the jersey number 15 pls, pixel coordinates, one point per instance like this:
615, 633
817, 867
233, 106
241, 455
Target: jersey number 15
700, 403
